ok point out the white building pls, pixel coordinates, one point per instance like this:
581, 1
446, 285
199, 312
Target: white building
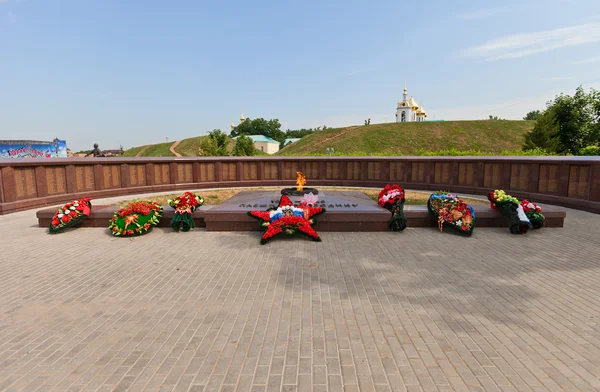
290, 140
265, 144
408, 110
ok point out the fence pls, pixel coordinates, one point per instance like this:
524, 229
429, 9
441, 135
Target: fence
568, 181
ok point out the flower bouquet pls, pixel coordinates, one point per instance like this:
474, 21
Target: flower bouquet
392, 198
509, 207
288, 219
70, 215
137, 218
184, 206
451, 211
534, 213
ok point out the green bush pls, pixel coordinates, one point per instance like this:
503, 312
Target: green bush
454, 152
590, 150
450, 152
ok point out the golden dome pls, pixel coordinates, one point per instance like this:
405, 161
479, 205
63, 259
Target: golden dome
232, 125
413, 104
242, 118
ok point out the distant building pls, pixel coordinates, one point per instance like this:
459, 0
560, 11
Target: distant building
111, 153
33, 149
264, 143
290, 140
408, 110
261, 142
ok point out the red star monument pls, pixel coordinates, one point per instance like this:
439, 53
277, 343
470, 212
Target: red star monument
288, 219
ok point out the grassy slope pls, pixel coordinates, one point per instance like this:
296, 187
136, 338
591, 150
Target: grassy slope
159, 150
189, 147
132, 151
410, 138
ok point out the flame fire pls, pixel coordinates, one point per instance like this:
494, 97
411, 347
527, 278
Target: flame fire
300, 181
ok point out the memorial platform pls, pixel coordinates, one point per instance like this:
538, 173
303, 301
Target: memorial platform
347, 211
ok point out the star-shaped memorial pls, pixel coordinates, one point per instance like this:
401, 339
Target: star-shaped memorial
288, 219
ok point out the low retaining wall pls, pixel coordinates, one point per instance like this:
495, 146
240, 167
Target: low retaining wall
417, 216
567, 181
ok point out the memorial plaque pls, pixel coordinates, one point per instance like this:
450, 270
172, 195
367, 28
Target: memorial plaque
137, 175
25, 182
418, 172
112, 176
519, 177
333, 170
56, 180
442, 171
374, 171
346, 211
250, 171
548, 182
228, 171
290, 169
311, 170
185, 173
271, 171
161, 174
465, 174
399, 172
84, 178
353, 170
207, 172
492, 177
579, 182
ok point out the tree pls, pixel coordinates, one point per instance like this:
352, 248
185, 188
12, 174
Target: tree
568, 124
532, 115
299, 133
544, 134
578, 120
244, 146
368, 122
259, 126
215, 144
495, 118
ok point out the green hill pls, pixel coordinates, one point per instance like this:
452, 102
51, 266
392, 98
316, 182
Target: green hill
489, 136
132, 151
186, 147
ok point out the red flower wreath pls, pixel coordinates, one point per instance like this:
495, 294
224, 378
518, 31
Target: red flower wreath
70, 215
390, 194
288, 219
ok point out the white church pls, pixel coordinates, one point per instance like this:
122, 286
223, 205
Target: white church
409, 111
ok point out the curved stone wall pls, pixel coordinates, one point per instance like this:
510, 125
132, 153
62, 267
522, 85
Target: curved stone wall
568, 181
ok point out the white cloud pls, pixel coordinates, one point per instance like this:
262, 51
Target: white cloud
513, 109
525, 44
587, 60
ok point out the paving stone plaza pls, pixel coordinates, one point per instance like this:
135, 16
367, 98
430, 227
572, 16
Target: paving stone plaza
210, 311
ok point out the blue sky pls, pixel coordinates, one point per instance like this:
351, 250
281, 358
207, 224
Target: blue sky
136, 72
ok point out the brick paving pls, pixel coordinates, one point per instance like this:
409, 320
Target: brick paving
199, 311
